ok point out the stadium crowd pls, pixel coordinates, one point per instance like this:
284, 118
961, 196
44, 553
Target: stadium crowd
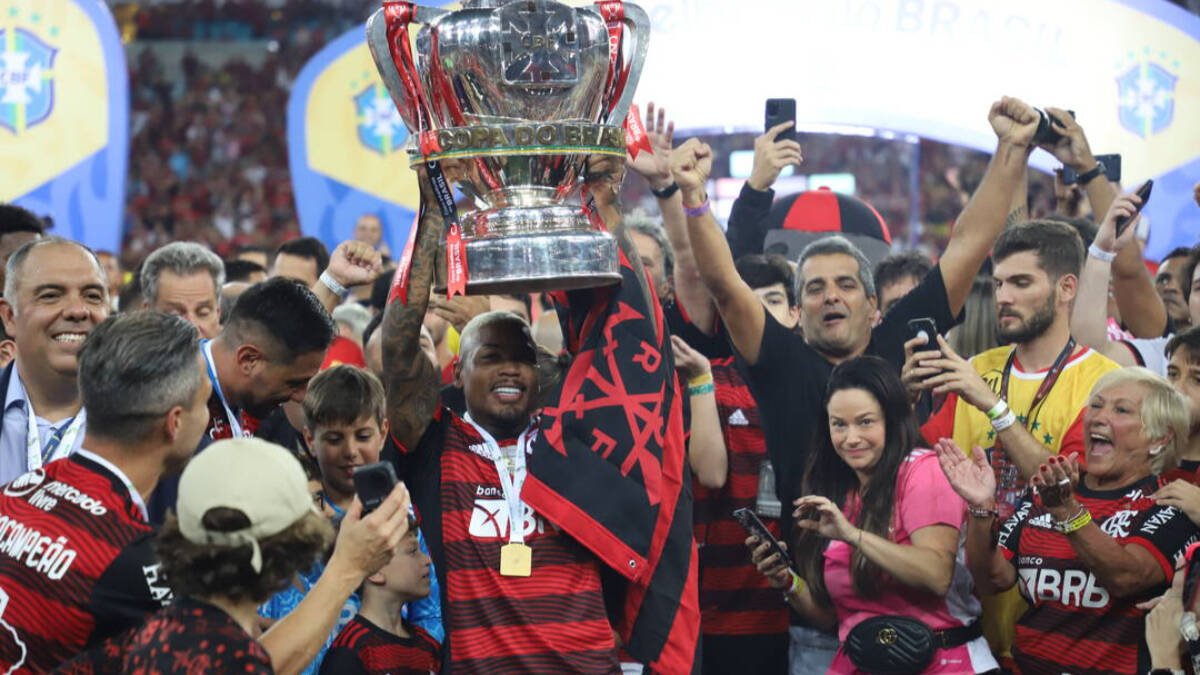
743, 458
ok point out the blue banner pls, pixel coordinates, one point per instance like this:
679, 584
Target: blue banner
64, 116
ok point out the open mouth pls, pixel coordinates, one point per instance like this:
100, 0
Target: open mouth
508, 392
70, 338
1101, 444
832, 317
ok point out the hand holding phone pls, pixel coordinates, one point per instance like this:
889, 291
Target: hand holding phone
778, 111
755, 527
924, 326
373, 483
1143, 194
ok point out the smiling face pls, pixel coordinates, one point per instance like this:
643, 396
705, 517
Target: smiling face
342, 448
61, 295
1118, 452
499, 377
857, 429
835, 311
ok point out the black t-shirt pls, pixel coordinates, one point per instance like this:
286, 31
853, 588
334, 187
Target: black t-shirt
789, 379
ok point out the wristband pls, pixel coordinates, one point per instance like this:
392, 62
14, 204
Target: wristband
1009, 419
329, 282
697, 211
1074, 524
796, 588
701, 379
1100, 254
1088, 176
666, 192
977, 512
701, 389
998, 410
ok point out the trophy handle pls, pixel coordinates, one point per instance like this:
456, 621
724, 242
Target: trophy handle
638, 23
409, 99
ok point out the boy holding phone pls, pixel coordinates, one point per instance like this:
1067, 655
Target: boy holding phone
346, 428
378, 639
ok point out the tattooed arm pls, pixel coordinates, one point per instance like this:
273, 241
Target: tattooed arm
983, 219
410, 379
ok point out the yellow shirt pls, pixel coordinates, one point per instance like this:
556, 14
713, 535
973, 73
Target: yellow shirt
1057, 423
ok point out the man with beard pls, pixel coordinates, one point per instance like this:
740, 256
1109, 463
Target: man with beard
1042, 378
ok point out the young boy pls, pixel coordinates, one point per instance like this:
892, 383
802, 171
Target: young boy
345, 427
378, 640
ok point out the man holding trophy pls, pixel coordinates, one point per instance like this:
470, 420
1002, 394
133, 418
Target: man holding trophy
558, 518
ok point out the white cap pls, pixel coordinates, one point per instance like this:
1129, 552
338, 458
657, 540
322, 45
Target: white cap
260, 479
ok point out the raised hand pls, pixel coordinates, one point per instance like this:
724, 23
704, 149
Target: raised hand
1055, 481
691, 165
771, 156
1014, 121
913, 374
655, 166
355, 263
971, 477
1124, 206
957, 375
688, 361
1072, 149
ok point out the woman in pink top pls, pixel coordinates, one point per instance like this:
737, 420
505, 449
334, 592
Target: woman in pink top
879, 529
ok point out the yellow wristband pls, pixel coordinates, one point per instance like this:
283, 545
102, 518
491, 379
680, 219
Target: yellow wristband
797, 587
1075, 524
700, 380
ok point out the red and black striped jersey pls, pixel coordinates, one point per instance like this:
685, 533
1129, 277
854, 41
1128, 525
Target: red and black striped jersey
76, 566
735, 599
551, 621
1074, 625
362, 648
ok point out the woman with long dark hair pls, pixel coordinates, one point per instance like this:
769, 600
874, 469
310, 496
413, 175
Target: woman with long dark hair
876, 553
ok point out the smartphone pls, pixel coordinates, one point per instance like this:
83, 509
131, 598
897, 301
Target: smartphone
924, 326
1112, 170
778, 111
373, 483
750, 522
1144, 194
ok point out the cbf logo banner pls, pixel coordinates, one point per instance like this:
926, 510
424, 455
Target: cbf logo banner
346, 143
64, 116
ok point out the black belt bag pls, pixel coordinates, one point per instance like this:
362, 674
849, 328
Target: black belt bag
901, 645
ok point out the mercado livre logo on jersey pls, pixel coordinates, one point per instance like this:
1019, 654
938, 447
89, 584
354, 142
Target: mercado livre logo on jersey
380, 127
26, 75
1146, 92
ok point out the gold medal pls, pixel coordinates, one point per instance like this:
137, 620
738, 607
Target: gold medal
516, 560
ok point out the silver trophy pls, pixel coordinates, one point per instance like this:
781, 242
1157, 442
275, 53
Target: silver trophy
520, 93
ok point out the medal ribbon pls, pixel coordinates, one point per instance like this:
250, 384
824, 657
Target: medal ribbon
510, 483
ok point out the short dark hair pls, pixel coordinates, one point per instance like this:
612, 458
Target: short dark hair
1057, 245
1189, 339
1084, 227
285, 311
135, 367
760, 270
898, 266
1177, 252
202, 570
306, 247
15, 219
343, 395
1189, 272
241, 270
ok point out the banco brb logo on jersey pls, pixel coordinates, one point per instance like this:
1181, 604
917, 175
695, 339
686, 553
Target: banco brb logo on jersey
26, 79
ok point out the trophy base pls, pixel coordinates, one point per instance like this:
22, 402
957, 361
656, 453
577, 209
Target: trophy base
531, 250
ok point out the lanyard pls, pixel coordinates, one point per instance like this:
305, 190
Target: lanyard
235, 421
61, 442
1047, 383
510, 483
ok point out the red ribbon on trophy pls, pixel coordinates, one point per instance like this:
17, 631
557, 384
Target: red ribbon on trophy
398, 16
456, 263
400, 280
613, 13
636, 138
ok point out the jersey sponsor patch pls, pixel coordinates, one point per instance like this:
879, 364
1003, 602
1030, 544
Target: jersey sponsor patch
489, 519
